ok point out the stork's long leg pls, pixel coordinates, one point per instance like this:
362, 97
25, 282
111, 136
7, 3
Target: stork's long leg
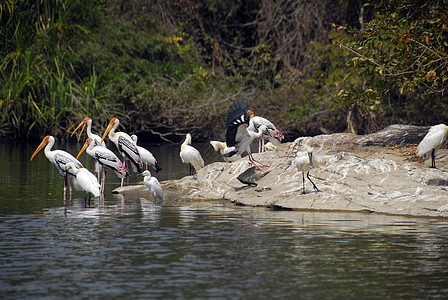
260, 166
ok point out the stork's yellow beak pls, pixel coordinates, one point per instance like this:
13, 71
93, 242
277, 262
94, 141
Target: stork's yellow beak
42, 145
109, 127
83, 122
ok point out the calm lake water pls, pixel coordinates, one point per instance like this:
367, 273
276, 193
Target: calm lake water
137, 249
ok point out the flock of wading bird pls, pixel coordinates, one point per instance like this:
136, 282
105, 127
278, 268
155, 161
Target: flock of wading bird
242, 129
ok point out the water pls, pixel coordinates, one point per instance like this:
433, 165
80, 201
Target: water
138, 249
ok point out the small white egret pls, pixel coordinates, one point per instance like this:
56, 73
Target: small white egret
305, 161
432, 141
153, 185
190, 155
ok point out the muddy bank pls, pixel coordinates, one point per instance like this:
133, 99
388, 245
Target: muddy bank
371, 173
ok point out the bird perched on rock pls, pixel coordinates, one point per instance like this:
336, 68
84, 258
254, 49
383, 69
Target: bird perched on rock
304, 162
190, 155
223, 149
273, 134
147, 157
238, 135
432, 141
153, 185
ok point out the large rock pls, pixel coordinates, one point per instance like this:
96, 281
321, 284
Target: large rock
372, 173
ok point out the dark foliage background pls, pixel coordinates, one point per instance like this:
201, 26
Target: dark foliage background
165, 68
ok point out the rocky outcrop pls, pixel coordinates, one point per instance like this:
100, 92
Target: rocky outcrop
371, 173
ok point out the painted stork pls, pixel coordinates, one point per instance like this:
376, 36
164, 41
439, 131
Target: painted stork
105, 158
238, 136
59, 158
272, 133
88, 122
125, 145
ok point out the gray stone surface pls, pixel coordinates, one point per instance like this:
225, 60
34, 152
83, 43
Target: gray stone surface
372, 173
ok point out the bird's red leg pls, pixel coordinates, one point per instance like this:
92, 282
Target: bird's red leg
256, 163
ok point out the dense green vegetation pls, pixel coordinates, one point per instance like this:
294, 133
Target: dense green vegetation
166, 68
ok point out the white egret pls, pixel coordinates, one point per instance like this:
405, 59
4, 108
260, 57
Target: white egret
153, 185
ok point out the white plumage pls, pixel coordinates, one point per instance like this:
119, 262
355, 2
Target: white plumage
88, 122
57, 157
432, 141
190, 155
304, 162
223, 149
84, 181
147, 157
153, 185
272, 133
125, 145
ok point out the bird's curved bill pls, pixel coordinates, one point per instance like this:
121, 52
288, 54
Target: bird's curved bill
80, 124
109, 127
42, 144
84, 147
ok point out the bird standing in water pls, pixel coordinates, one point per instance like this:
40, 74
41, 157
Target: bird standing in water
84, 181
147, 157
304, 162
190, 155
432, 141
59, 158
125, 145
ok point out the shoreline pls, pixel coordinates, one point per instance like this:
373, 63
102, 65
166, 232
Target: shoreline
375, 173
